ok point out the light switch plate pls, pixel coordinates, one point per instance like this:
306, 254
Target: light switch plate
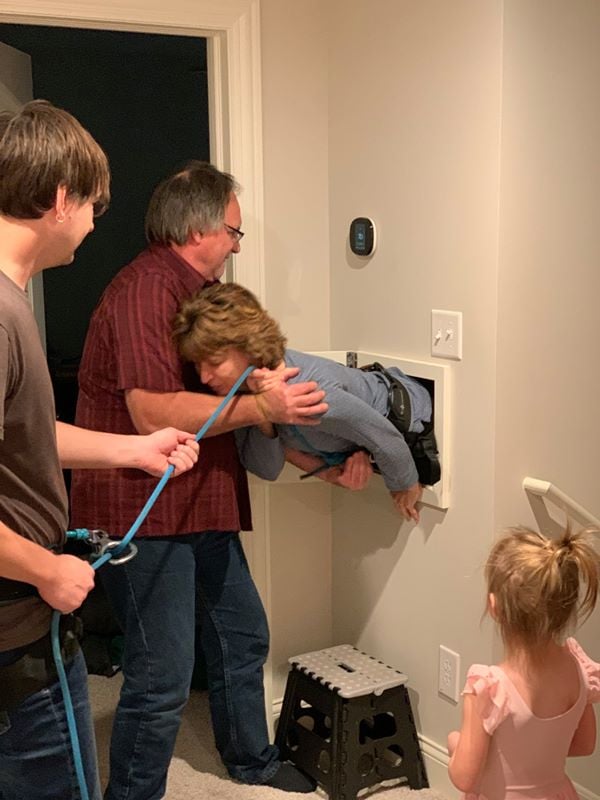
446, 334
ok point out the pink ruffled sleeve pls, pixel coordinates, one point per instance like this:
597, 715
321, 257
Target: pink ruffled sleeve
590, 669
490, 694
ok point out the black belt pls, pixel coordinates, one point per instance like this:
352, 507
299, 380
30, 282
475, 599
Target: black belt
10, 591
34, 669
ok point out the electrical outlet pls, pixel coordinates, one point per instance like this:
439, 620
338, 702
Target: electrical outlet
449, 669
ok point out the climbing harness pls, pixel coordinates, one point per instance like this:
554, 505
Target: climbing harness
116, 552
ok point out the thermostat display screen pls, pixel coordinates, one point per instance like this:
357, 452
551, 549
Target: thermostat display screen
362, 236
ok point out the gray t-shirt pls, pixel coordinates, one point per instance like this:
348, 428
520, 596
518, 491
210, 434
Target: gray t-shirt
33, 499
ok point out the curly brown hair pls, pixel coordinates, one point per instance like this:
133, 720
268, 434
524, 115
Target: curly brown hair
227, 315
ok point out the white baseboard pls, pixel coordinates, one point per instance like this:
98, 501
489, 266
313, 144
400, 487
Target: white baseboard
436, 763
586, 794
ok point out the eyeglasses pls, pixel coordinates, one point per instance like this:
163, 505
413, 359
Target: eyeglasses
235, 233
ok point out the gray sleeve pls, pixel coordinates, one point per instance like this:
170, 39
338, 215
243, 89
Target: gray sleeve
259, 454
351, 418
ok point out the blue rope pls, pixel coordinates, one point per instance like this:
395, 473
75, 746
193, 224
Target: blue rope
81, 534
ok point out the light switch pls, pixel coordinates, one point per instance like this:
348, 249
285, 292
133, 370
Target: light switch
446, 334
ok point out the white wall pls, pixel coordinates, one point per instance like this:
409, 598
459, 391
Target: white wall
548, 377
294, 84
415, 102
295, 124
469, 132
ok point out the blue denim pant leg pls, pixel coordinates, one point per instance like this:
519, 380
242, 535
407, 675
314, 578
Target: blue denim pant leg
235, 642
36, 762
153, 597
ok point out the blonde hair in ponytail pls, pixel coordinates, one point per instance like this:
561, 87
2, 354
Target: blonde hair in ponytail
542, 587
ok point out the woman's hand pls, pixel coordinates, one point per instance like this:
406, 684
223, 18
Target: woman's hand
406, 500
354, 474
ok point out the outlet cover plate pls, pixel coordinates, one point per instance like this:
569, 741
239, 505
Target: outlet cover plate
449, 669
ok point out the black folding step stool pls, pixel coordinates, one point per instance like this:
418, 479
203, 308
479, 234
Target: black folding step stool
347, 721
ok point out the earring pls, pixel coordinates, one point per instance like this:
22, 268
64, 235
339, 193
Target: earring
60, 218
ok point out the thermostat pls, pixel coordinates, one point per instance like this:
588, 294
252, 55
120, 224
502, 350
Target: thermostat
362, 236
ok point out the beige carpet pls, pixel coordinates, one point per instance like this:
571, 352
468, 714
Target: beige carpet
196, 772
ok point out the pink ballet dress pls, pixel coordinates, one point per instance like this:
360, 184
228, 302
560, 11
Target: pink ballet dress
527, 754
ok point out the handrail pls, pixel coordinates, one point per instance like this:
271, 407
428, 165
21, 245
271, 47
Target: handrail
540, 488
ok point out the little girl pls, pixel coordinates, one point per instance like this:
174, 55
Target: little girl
522, 718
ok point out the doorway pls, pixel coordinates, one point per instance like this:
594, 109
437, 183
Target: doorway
144, 97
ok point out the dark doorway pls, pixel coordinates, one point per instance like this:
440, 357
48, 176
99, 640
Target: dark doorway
144, 97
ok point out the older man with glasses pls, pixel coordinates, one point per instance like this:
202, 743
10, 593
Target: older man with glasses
190, 565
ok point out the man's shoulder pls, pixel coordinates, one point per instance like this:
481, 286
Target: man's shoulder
146, 262
14, 305
146, 268
157, 272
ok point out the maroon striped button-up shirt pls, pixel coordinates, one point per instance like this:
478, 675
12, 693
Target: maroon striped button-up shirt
129, 346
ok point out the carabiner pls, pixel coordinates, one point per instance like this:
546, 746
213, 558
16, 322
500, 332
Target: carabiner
129, 553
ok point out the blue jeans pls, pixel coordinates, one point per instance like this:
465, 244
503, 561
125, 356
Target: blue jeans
35, 750
158, 597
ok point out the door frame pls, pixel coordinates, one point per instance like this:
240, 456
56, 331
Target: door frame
232, 28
